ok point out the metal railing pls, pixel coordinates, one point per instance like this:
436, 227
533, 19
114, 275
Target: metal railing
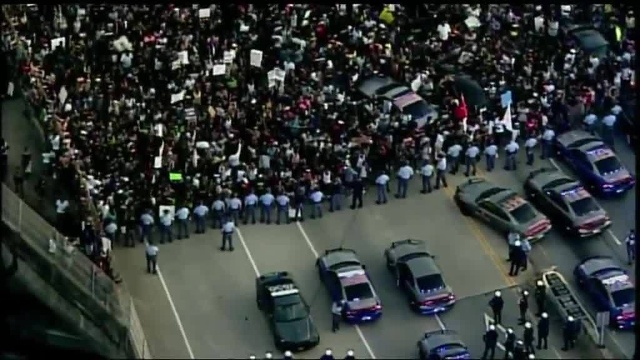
73, 275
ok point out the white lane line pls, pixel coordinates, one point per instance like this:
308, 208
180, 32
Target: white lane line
175, 313
440, 323
246, 251
555, 164
316, 255
614, 237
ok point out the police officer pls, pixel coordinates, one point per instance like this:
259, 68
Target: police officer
543, 331
471, 156
590, 123
166, 231
518, 351
490, 339
111, 230
531, 356
540, 296
350, 355
328, 355
316, 203
404, 175
547, 142
128, 229
630, 243
235, 206
509, 343
151, 252
527, 338
252, 357
441, 168
227, 234
337, 195
199, 215
268, 355
453, 152
529, 145
382, 182
511, 150
568, 334
497, 304
526, 249
358, 191
266, 202
491, 153
608, 123
512, 238
287, 355
517, 257
426, 172
283, 207
336, 315
250, 203
146, 226
182, 219
217, 213
523, 306
299, 201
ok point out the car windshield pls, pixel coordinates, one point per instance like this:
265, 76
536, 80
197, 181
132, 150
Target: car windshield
523, 213
584, 206
358, 291
289, 308
608, 165
416, 109
624, 297
430, 282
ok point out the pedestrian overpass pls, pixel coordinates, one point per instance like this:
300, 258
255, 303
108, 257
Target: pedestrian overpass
69, 284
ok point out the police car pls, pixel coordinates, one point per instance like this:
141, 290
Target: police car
345, 277
442, 344
287, 312
418, 275
610, 288
594, 162
567, 203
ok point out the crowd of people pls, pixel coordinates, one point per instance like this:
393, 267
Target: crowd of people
153, 108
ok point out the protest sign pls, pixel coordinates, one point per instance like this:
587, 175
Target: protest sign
219, 69
175, 177
204, 13
255, 58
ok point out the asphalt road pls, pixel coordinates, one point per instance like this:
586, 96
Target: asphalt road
213, 293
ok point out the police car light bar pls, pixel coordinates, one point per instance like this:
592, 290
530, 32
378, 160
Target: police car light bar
351, 273
284, 292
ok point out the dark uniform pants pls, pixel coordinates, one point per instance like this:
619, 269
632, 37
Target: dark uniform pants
250, 212
152, 263
542, 341
335, 322
489, 350
227, 237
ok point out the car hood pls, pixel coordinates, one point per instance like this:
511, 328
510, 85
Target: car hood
297, 330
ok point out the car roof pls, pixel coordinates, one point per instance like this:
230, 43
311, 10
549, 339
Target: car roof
543, 177
595, 145
396, 91
508, 200
476, 186
596, 153
353, 276
369, 85
436, 339
409, 246
571, 137
340, 256
423, 266
598, 263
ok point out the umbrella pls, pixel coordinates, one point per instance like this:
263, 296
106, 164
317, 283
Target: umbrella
473, 93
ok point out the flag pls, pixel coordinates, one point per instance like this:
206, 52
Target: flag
506, 119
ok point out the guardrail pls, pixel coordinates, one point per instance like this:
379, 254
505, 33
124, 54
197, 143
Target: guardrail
73, 275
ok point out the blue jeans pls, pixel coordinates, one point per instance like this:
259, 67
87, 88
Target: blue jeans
403, 184
200, 224
146, 232
510, 161
530, 157
216, 217
234, 214
265, 213
250, 212
470, 163
316, 208
283, 209
227, 238
426, 183
183, 228
491, 162
381, 190
165, 233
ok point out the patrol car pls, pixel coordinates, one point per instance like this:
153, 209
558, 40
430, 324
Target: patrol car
610, 288
569, 205
345, 277
442, 344
419, 277
278, 296
501, 208
594, 162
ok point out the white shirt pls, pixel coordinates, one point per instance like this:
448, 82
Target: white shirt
442, 164
443, 31
106, 245
61, 206
427, 170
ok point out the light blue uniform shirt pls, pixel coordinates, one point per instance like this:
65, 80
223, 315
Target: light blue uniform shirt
146, 219
548, 135
151, 250
472, 151
513, 237
405, 172
111, 228
382, 179
491, 150
228, 227
201, 210
454, 150
531, 143
526, 246
250, 200
609, 120
267, 199
316, 196
235, 204
283, 200
166, 220
182, 213
513, 147
427, 170
590, 119
218, 205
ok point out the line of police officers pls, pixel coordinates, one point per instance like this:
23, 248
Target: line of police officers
328, 355
520, 349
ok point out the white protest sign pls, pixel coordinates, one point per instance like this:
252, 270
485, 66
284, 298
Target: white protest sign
183, 57
176, 64
177, 97
157, 162
219, 69
122, 44
204, 13
229, 56
169, 208
271, 77
10, 89
255, 58
279, 74
58, 42
62, 95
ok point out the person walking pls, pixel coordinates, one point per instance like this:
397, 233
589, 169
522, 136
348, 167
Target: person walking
151, 252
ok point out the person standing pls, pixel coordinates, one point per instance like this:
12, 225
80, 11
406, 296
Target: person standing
227, 235
518, 257
350, 355
288, 355
146, 226
283, 208
328, 355
529, 146
166, 231
404, 175
511, 239
608, 123
336, 315
511, 151
250, 202
543, 331
471, 156
491, 153
182, 220
151, 252
235, 207
217, 213
527, 338
568, 337
337, 195
540, 296
381, 188
509, 343
590, 123
266, 202
441, 169
497, 304
547, 143
490, 339
427, 173
316, 203
200, 214
358, 190
523, 306
453, 152
299, 200
630, 243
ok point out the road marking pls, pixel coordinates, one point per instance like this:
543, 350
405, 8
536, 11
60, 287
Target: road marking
440, 323
316, 255
614, 237
246, 251
488, 320
175, 313
555, 164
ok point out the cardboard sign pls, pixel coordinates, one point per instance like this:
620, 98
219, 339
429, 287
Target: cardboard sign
183, 57
58, 42
255, 58
157, 162
177, 97
271, 77
204, 13
280, 74
171, 209
228, 56
175, 177
219, 69
62, 95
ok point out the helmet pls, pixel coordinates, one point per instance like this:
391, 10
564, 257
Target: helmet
570, 318
517, 243
525, 293
252, 357
328, 352
527, 325
531, 356
510, 330
492, 327
539, 283
520, 342
268, 355
497, 293
288, 353
350, 352
544, 315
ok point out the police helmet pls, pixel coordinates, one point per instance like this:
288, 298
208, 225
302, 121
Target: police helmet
525, 293
350, 352
527, 325
492, 327
520, 342
497, 293
268, 355
532, 356
510, 330
288, 354
517, 243
252, 357
544, 315
570, 318
539, 283
328, 352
